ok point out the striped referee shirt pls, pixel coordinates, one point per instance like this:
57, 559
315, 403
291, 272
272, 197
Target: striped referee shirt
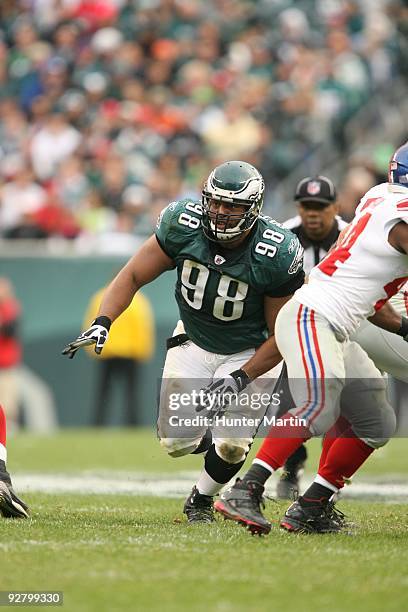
314, 250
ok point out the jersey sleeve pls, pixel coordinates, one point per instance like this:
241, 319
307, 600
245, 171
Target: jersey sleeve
292, 275
177, 225
290, 286
164, 229
402, 209
397, 212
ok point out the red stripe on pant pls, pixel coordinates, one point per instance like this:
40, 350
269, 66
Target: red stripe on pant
314, 340
302, 352
2, 427
320, 362
282, 442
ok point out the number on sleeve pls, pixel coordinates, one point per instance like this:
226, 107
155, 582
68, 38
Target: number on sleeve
271, 234
265, 249
262, 248
196, 208
185, 219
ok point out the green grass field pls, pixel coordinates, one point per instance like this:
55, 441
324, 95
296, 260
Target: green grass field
128, 552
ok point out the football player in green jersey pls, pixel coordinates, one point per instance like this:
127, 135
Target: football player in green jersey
235, 270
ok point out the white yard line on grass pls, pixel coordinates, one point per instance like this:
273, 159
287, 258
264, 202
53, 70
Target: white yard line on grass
172, 485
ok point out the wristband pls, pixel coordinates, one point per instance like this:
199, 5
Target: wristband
403, 330
105, 322
242, 379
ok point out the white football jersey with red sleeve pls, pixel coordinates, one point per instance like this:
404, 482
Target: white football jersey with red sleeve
363, 271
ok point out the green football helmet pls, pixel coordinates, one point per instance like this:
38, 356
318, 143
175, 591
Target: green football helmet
236, 183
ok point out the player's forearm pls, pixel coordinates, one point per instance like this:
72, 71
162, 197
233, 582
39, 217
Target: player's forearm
387, 318
264, 359
146, 265
118, 295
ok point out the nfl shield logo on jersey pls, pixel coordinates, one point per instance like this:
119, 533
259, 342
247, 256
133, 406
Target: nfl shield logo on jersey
218, 260
313, 188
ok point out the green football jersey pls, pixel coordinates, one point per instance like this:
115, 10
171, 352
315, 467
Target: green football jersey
220, 292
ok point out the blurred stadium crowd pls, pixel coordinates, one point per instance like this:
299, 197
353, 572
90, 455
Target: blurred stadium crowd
109, 109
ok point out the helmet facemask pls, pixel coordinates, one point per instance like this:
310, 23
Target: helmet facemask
235, 183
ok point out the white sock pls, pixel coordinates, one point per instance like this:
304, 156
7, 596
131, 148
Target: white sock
325, 483
3, 453
207, 485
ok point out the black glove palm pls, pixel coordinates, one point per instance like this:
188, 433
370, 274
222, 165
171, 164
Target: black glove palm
97, 334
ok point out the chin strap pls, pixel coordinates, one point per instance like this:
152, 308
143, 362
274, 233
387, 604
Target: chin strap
229, 233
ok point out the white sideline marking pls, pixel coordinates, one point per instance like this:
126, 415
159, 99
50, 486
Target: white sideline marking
171, 485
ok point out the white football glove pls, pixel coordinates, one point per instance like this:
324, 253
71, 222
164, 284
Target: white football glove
97, 334
217, 395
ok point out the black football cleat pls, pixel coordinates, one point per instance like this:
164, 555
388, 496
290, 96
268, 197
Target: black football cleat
338, 516
11, 506
242, 503
199, 508
319, 518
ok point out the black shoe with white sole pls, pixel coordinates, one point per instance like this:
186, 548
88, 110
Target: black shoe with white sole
199, 508
11, 506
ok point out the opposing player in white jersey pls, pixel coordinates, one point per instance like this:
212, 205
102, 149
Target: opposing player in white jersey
388, 351
317, 231
355, 281
318, 226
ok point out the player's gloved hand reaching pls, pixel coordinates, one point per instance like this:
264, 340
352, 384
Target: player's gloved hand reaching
218, 395
97, 334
